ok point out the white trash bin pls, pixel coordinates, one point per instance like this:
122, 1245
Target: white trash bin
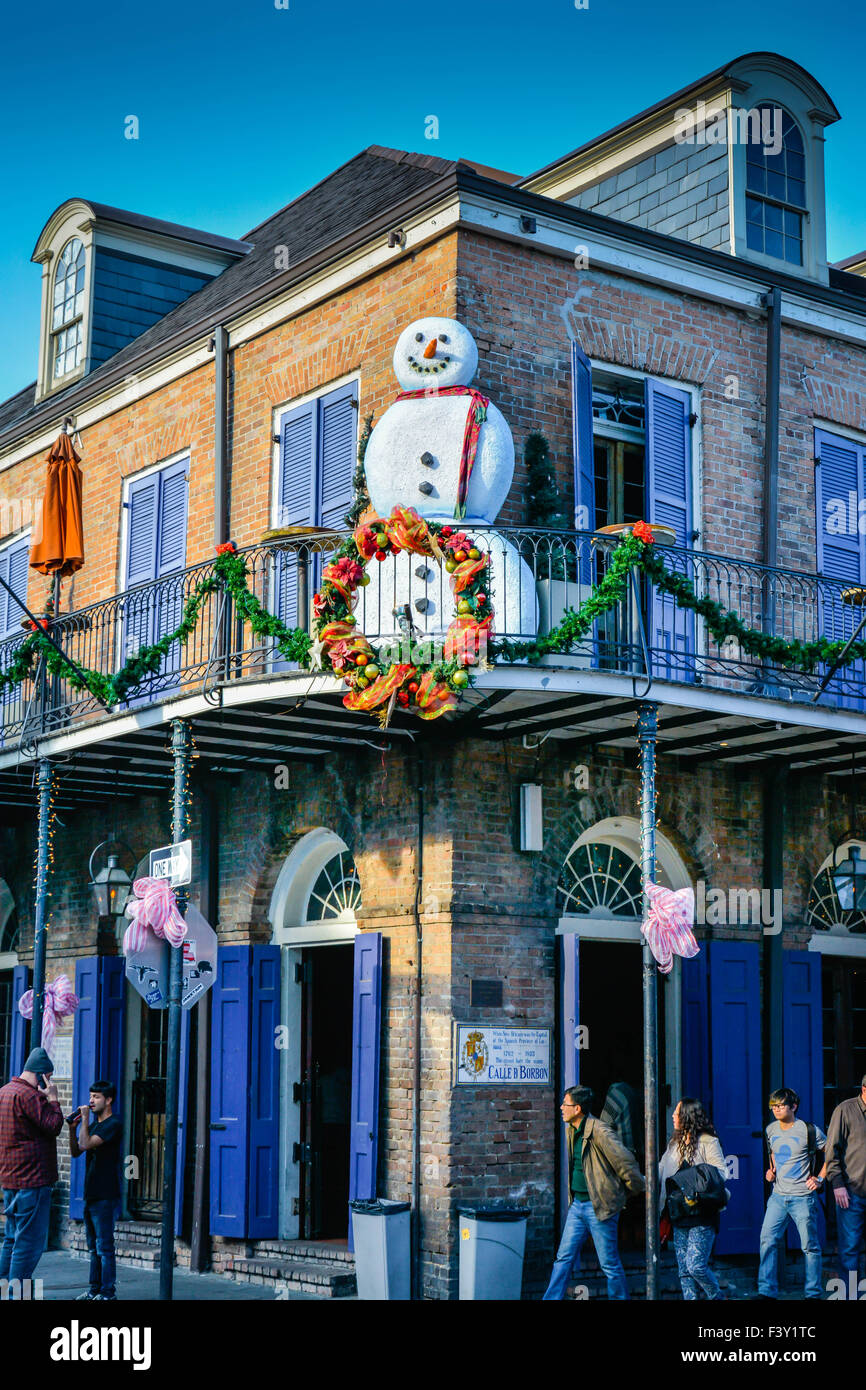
380, 1229
492, 1242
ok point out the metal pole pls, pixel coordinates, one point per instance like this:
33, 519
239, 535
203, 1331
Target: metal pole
647, 731
180, 749
45, 783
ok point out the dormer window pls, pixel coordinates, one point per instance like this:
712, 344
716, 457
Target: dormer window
775, 186
68, 310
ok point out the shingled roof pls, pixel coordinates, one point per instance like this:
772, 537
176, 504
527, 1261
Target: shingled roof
358, 192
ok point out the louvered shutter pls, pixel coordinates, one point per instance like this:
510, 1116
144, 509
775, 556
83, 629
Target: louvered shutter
264, 1094
85, 1061
296, 499
569, 1049
230, 1070
15, 572
584, 461
171, 557
669, 503
142, 510
366, 1038
839, 490
337, 447
20, 1027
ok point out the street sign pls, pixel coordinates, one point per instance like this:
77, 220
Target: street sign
199, 957
147, 971
173, 862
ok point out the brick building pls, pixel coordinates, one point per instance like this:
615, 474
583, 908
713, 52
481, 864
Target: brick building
659, 305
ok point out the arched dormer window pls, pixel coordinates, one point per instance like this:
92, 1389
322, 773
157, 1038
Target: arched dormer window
775, 185
67, 312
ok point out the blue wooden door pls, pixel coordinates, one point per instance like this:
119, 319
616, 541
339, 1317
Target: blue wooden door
738, 1104
230, 1052
264, 1093
85, 1042
20, 1029
695, 1030
840, 485
366, 1032
669, 503
802, 1044
569, 1041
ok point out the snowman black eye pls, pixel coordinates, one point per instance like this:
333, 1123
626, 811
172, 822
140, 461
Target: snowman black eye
443, 337
419, 337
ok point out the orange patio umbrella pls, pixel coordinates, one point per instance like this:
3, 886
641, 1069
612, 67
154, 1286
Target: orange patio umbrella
61, 549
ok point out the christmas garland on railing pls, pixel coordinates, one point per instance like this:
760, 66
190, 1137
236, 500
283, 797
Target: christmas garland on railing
230, 574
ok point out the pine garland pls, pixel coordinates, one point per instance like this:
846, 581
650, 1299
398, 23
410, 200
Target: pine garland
230, 575
359, 479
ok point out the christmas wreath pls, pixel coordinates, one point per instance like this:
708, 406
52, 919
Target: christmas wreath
427, 687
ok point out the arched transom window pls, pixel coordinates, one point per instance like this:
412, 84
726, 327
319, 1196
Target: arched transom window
336, 893
67, 311
825, 913
601, 880
775, 186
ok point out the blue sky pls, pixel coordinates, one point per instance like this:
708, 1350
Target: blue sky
243, 105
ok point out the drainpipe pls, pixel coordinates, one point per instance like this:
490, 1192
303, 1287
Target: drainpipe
220, 343
775, 800
416, 1051
770, 537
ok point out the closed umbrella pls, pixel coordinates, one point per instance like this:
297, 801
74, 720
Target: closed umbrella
60, 551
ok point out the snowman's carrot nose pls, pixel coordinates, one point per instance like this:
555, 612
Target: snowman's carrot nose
430, 349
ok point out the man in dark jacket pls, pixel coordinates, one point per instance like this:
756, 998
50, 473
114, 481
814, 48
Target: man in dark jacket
845, 1155
601, 1174
30, 1121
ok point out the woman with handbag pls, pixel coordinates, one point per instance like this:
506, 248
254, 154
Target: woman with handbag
692, 1175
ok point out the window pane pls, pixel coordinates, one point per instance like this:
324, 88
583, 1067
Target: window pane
754, 210
773, 243
797, 193
793, 251
754, 236
792, 224
775, 185
776, 161
796, 165
773, 217
756, 178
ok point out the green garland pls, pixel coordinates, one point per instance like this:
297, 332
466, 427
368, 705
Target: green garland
230, 575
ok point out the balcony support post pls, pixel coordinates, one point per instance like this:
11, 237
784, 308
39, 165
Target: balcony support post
45, 782
647, 734
180, 749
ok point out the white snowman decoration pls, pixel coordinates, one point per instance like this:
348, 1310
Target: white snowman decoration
417, 457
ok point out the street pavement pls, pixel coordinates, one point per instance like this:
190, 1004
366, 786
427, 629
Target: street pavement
65, 1275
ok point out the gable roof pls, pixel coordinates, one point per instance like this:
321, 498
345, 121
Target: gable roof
363, 188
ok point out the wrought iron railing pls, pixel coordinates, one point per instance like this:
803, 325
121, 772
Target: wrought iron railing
535, 577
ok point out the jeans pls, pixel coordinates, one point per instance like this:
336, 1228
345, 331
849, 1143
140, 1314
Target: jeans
26, 1213
99, 1218
850, 1225
803, 1211
692, 1245
580, 1223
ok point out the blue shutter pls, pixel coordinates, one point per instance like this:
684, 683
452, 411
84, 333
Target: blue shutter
569, 1052
264, 1092
230, 1070
584, 458
695, 1030
337, 449
839, 488
18, 1039
171, 558
111, 1026
366, 1028
296, 499
14, 569
143, 509
738, 1105
669, 503
85, 1060
182, 1108
802, 1044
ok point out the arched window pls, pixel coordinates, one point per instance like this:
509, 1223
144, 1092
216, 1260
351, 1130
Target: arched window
336, 893
775, 186
67, 311
317, 895
824, 912
599, 879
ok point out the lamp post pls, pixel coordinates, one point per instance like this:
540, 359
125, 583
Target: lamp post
112, 885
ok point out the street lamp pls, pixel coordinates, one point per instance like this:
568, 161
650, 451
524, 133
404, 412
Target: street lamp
111, 886
849, 880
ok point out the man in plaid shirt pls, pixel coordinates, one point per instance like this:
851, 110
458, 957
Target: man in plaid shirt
30, 1121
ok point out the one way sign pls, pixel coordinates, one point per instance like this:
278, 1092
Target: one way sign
173, 862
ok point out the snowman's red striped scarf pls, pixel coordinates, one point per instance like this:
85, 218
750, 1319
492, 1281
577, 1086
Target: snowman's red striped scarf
474, 420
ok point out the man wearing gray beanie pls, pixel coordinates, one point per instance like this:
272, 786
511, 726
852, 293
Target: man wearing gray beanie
30, 1121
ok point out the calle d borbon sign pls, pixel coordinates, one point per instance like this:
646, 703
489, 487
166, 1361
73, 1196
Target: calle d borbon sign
488, 1055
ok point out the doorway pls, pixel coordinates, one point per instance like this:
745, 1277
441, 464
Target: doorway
843, 984
611, 1011
323, 1094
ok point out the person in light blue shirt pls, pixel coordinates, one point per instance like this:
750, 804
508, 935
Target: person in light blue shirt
793, 1146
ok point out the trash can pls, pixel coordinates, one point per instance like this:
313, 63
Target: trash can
382, 1251
492, 1242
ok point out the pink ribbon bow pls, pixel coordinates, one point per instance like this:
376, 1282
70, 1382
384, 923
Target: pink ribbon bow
155, 907
60, 1001
668, 925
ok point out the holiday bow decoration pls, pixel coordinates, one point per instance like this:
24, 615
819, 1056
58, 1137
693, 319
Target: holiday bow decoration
668, 925
474, 420
155, 907
60, 1001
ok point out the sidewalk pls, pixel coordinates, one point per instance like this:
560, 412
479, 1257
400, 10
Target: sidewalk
65, 1275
